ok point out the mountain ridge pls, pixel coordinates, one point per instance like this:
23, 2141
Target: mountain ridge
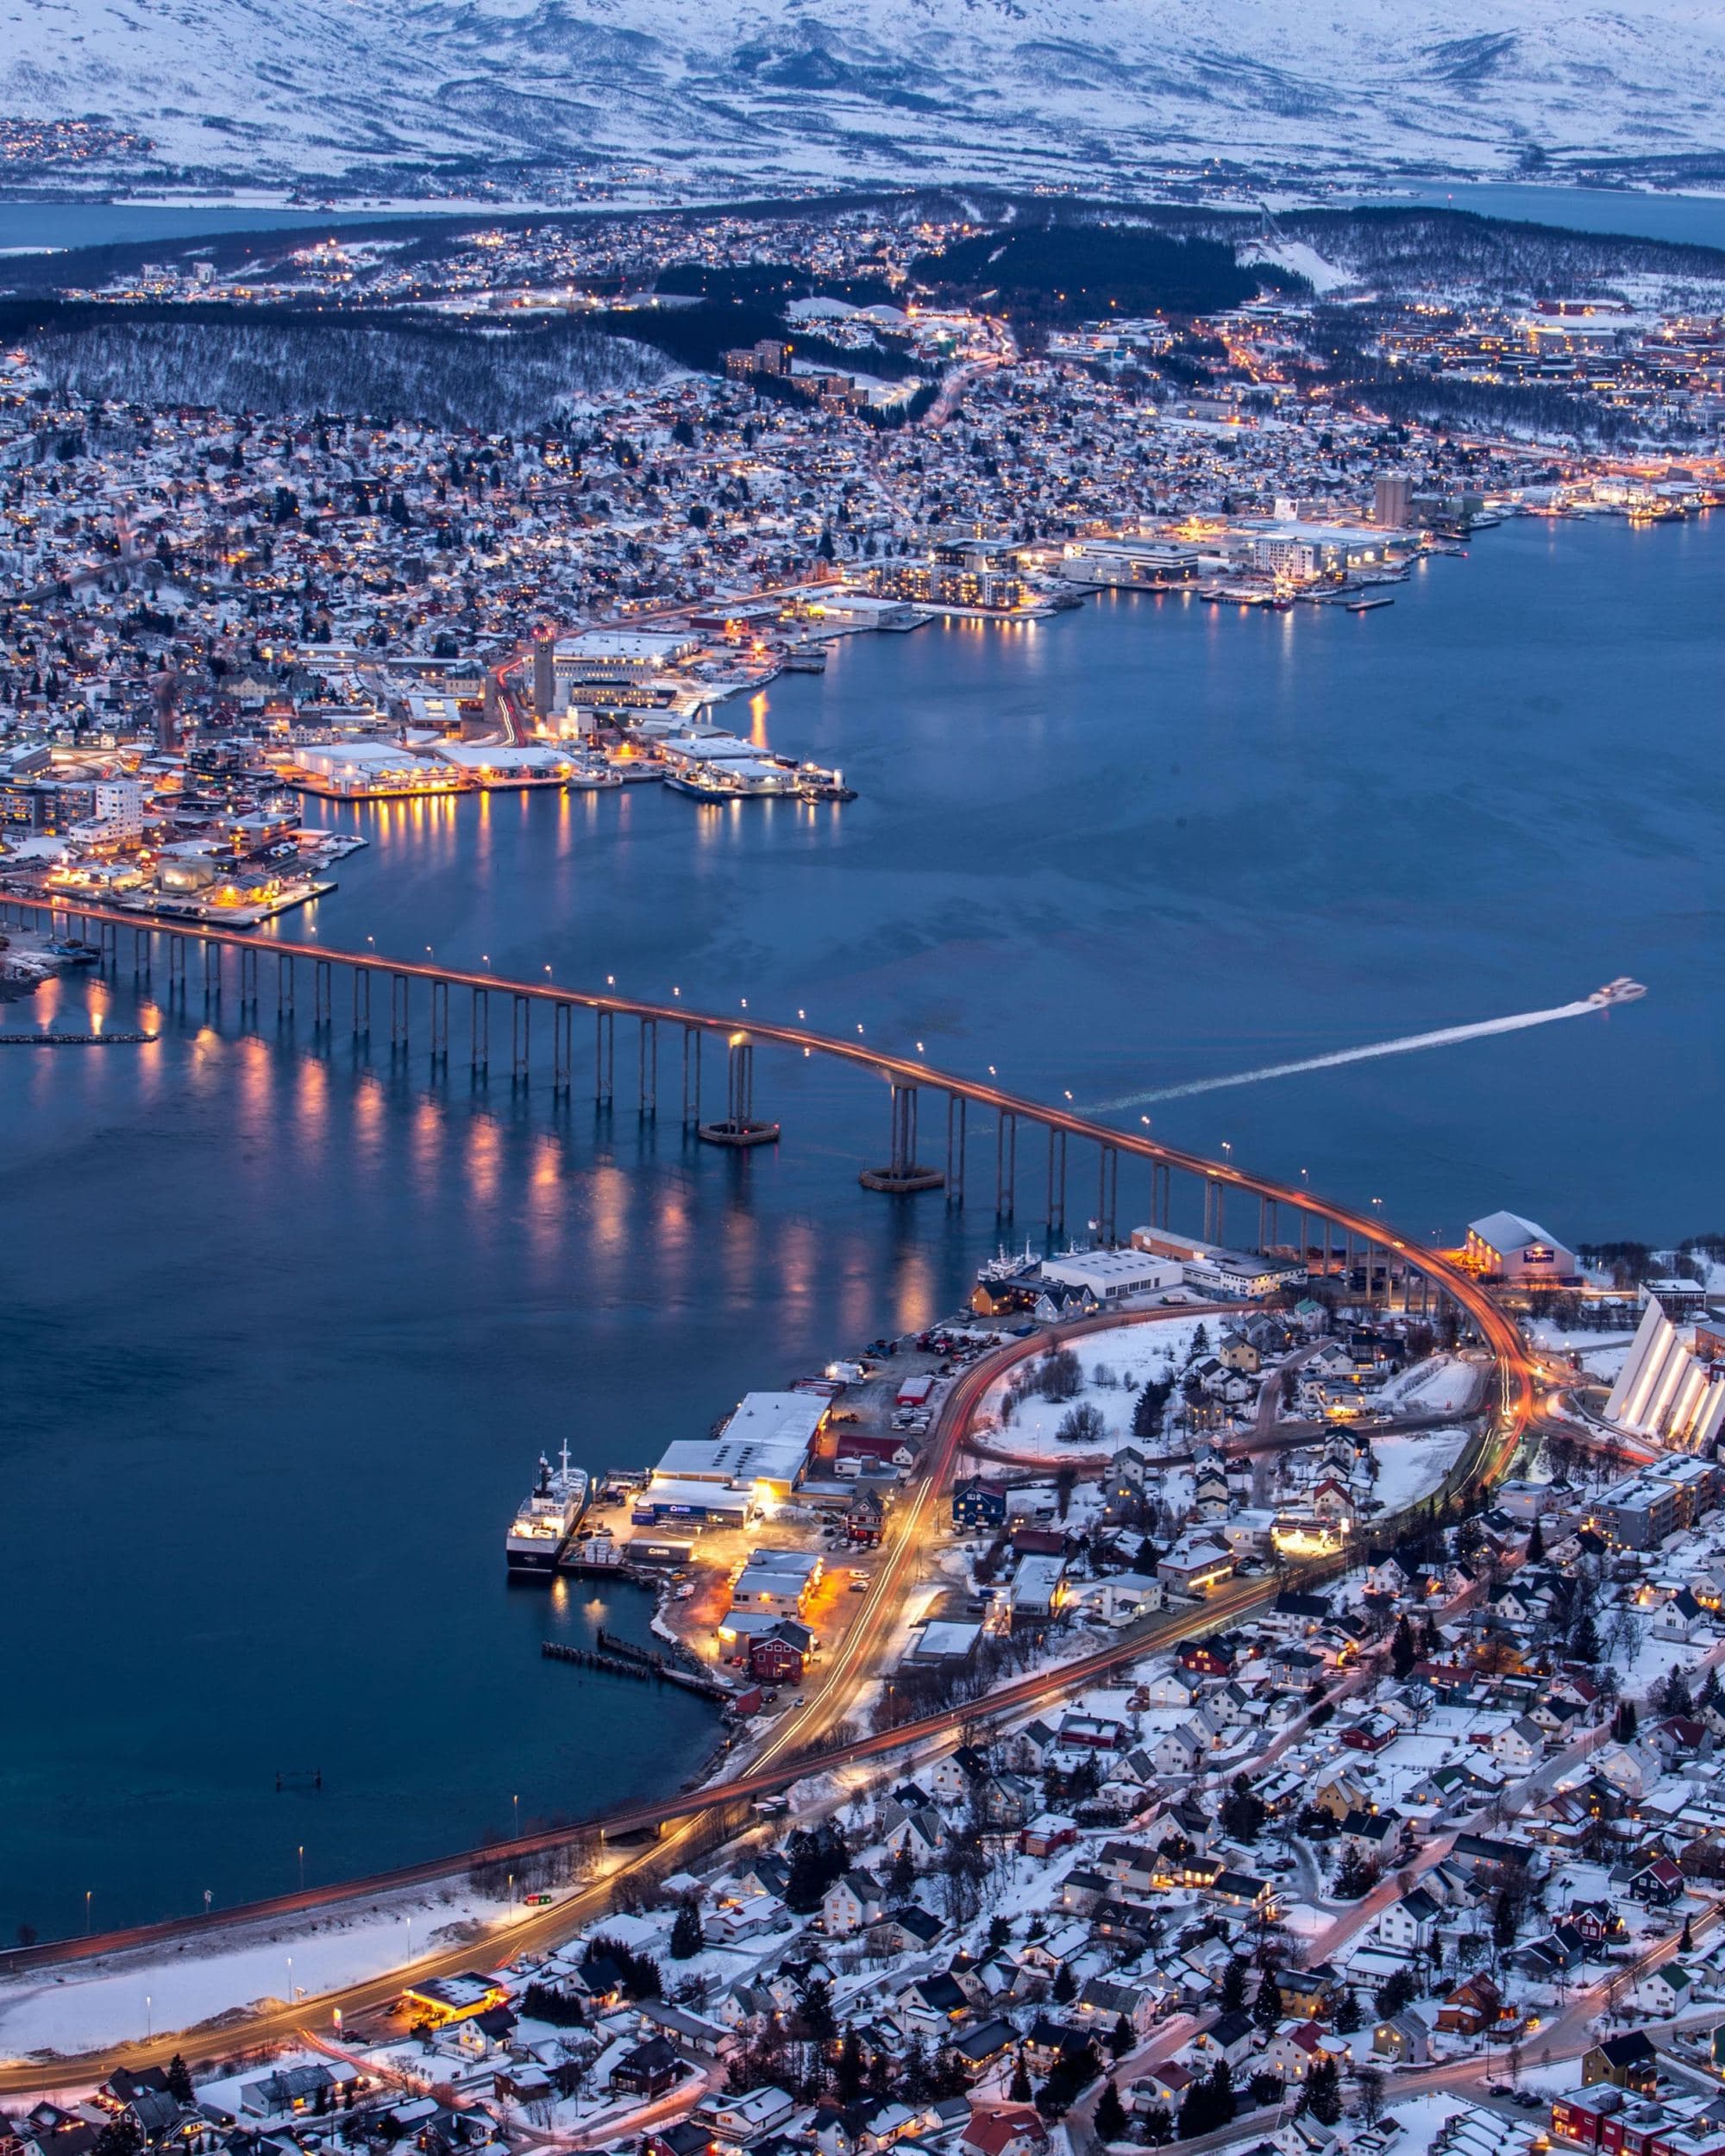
660, 96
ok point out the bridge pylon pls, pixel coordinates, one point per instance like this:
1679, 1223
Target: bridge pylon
740, 1126
903, 1173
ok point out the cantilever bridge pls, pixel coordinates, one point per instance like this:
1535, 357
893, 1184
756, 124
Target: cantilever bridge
819, 1739
418, 997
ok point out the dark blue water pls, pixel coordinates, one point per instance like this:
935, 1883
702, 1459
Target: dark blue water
284, 1325
71, 224
1696, 220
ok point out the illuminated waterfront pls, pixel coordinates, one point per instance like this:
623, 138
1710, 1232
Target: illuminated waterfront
1138, 845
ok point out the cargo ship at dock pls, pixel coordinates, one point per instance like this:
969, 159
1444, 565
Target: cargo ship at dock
540, 1532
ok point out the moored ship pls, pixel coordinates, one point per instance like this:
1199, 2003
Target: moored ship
540, 1532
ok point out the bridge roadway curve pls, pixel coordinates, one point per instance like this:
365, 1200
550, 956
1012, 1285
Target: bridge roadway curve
903, 1070
794, 1750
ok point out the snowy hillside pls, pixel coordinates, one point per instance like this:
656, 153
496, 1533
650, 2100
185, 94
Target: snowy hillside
675, 95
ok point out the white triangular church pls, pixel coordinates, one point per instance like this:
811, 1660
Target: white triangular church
1662, 1392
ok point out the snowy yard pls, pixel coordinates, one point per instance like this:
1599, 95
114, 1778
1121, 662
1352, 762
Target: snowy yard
1413, 1463
1155, 1348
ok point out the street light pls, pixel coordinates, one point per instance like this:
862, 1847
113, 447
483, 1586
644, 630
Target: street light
88, 1891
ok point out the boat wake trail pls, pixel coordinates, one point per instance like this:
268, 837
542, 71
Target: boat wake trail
1446, 1036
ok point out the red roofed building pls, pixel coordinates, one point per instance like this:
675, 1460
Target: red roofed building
1006, 2129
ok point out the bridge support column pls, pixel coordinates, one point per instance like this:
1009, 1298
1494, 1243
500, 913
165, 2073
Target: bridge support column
1006, 1166
439, 1021
362, 1002
212, 969
562, 1046
1107, 1194
955, 1107
321, 991
248, 975
692, 1075
605, 1057
521, 1035
647, 1098
903, 1173
399, 989
741, 1128
283, 985
1057, 1181
176, 960
141, 950
478, 1032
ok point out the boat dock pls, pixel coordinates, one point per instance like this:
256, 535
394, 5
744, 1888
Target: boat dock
77, 1040
622, 1658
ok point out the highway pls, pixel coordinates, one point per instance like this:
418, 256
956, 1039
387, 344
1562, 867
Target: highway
859, 1655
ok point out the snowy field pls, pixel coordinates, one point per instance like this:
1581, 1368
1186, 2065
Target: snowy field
1412, 1463
1158, 1348
1443, 1385
158, 1991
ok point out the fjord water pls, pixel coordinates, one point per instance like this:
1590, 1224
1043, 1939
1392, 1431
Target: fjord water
285, 1323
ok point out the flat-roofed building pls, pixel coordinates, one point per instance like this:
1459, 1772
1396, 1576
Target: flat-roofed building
619, 654
777, 1583
1113, 1276
1131, 562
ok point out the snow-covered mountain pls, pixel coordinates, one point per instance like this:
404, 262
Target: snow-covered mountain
684, 94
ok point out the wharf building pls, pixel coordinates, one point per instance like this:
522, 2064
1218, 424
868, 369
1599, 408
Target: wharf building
1133, 564
956, 567
621, 667
1236, 1275
1289, 547
752, 1466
